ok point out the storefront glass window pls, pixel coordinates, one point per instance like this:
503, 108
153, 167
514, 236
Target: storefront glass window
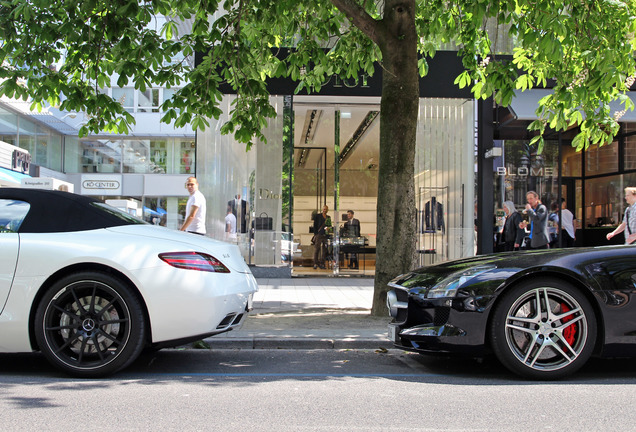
227, 177
186, 156
27, 135
49, 150
604, 206
601, 160
135, 155
100, 156
148, 156
603, 198
444, 180
523, 169
572, 162
629, 128
630, 152
72, 154
8, 127
158, 156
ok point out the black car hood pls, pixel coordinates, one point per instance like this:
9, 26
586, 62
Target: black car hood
575, 261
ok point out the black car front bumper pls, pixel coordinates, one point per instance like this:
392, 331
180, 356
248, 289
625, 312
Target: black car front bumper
439, 326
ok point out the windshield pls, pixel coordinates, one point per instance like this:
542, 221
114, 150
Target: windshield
126, 217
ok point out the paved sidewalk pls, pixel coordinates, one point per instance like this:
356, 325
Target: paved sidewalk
310, 313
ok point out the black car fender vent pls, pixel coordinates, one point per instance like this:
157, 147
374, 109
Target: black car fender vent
237, 320
226, 321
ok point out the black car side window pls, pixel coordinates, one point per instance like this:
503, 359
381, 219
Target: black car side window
12, 213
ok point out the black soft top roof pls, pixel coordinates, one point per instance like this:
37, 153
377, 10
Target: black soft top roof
57, 211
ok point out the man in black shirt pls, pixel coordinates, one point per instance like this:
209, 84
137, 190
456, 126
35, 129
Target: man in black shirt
321, 220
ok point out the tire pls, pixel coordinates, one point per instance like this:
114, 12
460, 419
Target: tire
544, 343
90, 325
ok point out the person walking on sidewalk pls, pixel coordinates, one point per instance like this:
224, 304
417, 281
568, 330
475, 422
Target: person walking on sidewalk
538, 215
629, 220
195, 209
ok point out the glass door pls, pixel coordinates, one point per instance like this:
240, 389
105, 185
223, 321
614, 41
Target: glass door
336, 150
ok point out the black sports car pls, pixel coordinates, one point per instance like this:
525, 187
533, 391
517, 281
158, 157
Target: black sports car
542, 313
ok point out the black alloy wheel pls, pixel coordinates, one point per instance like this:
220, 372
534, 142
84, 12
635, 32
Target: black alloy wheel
543, 329
90, 325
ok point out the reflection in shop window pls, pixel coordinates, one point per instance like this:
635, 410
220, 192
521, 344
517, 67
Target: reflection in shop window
100, 156
601, 160
630, 152
603, 201
186, 161
135, 156
572, 162
126, 97
9, 130
158, 156
148, 100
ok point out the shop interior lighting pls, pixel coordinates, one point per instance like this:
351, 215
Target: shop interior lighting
360, 132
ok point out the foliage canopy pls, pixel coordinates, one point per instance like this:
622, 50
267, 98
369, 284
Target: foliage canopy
63, 52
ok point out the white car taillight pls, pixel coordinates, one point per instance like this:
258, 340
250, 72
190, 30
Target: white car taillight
194, 261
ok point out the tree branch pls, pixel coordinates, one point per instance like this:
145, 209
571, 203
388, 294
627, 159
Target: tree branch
359, 18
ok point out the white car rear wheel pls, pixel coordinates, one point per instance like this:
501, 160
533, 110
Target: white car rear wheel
90, 324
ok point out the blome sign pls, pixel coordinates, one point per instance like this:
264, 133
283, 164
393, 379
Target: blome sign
524, 171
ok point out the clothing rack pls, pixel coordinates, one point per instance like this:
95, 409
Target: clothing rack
432, 229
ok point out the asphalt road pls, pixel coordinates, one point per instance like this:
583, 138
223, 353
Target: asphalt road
318, 390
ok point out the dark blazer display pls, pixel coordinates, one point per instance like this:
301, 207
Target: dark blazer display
433, 216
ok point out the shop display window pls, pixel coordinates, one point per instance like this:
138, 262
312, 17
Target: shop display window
629, 160
601, 160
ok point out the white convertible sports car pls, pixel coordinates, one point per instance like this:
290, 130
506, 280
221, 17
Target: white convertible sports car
91, 287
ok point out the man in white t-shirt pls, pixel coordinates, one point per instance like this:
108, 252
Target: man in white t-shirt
568, 226
230, 223
195, 209
629, 220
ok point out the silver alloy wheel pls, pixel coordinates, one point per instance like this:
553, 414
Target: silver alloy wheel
546, 329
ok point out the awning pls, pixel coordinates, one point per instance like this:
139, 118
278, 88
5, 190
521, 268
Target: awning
11, 178
524, 105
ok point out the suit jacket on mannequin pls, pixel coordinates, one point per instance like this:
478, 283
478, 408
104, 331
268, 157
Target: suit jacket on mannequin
433, 216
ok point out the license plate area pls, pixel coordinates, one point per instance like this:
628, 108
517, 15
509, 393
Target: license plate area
394, 333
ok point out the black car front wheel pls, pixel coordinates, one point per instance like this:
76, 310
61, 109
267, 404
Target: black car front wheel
543, 329
90, 324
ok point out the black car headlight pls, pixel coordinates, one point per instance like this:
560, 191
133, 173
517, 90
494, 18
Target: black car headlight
449, 286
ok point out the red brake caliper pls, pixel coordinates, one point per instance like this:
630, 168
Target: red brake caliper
570, 331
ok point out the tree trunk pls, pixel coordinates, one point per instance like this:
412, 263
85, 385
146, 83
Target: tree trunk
398, 124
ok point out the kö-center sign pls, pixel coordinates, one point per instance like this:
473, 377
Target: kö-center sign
101, 184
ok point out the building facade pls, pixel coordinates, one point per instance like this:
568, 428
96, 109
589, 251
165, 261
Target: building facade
323, 150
